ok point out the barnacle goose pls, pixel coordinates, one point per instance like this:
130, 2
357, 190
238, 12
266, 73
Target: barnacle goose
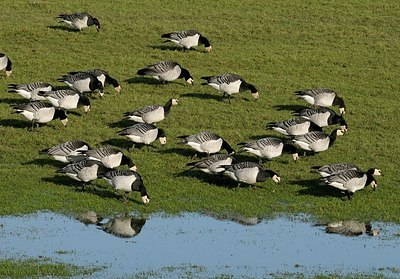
127, 181
110, 157
65, 152
327, 170
166, 71
5, 64
207, 142
269, 147
83, 82
151, 114
317, 141
144, 133
351, 228
79, 20
103, 77
66, 99
30, 90
123, 226
249, 173
322, 97
39, 112
187, 39
230, 84
323, 117
213, 164
294, 127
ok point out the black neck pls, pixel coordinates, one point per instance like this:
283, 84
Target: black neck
244, 86
112, 81
290, 148
227, 147
370, 178
204, 41
185, 74
338, 102
167, 107
83, 100
127, 161
264, 175
9, 65
59, 114
333, 137
161, 133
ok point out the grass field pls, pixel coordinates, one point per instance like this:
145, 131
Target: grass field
280, 47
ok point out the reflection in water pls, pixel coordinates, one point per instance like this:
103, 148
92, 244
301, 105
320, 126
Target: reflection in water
125, 226
351, 228
243, 220
89, 218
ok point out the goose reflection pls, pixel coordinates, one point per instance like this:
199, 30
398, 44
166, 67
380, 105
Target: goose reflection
243, 220
351, 228
123, 226
89, 218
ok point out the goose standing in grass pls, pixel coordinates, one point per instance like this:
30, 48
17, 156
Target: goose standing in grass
213, 164
66, 99
351, 181
250, 173
39, 112
269, 148
331, 169
294, 127
84, 171
110, 157
322, 97
187, 39
166, 71
80, 20
103, 77
144, 133
151, 114
5, 64
323, 117
123, 226
65, 152
230, 84
30, 90
207, 142
317, 141
127, 181
83, 83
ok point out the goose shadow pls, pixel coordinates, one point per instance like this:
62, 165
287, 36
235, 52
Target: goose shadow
294, 108
121, 143
15, 123
182, 152
167, 47
313, 187
45, 162
122, 123
203, 96
63, 28
14, 101
215, 180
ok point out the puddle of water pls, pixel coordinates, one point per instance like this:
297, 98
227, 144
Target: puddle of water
212, 247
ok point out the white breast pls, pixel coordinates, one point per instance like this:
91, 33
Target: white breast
44, 115
69, 102
190, 41
171, 75
247, 175
231, 88
3, 63
112, 161
123, 182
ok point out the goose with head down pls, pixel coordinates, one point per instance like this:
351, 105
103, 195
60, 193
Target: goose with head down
187, 39
322, 97
166, 71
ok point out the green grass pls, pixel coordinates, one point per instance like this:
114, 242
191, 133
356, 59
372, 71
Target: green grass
280, 47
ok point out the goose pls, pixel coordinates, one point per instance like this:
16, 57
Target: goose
30, 90
84, 171
5, 64
89, 218
322, 97
294, 127
144, 133
123, 226
110, 157
269, 147
230, 84
351, 228
351, 181
323, 117
39, 112
65, 152
213, 164
317, 141
66, 99
327, 170
127, 181
206, 142
103, 77
79, 20
249, 173
166, 71
83, 83
151, 114
187, 39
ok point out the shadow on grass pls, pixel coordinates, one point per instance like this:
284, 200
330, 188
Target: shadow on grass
216, 180
122, 123
313, 187
63, 28
14, 101
204, 96
121, 143
15, 123
186, 152
45, 162
167, 47
294, 108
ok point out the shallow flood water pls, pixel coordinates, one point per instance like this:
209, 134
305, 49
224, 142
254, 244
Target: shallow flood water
199, 245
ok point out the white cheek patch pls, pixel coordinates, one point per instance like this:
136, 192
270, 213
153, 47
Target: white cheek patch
255, 95
145, 199
190, 81
163, 140
276, 179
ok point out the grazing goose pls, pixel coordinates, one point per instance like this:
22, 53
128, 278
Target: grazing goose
151, 114
323, 117
213, 164
294, 127
30, 90
127, 181
187, 39
322, 97
317, 141
83, 82
39, 112
103, 77
5, 64
166, 71
269, 148
80, 20
85, 171
331, 169
124, 226
351, 181
65, 152
207, 142
144, 133
66, 99
250, 173
110, 157
230, 84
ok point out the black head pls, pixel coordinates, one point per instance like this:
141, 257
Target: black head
112, 81
161, 133
265, 174
60, 114
227, 147
128, 161
204, 41
97, 23
340, 102
186, 75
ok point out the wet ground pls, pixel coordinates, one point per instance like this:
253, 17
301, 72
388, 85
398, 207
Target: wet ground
201, 246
